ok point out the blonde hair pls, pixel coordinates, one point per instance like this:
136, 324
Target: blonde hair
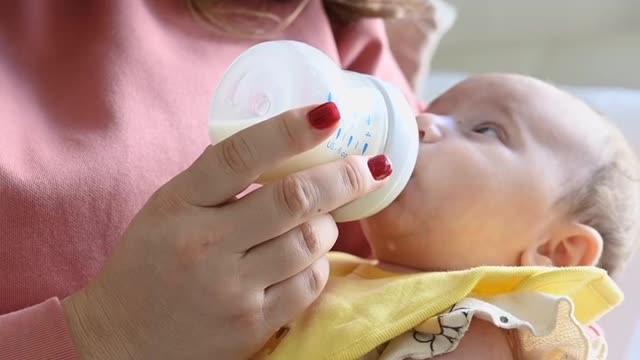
610, 202
263, 19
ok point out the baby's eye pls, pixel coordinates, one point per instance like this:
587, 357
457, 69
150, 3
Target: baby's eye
488, 130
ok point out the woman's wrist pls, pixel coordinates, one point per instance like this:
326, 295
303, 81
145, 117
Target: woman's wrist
92, 329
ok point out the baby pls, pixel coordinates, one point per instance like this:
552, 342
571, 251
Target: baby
511, 172
526, 175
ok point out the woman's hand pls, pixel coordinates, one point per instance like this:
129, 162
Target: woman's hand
200, 274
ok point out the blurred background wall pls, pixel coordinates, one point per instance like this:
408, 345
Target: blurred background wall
575, 42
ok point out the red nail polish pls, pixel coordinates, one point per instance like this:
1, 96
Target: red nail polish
324, 116
380, 167
421, 134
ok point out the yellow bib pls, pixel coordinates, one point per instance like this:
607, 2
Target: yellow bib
364, 306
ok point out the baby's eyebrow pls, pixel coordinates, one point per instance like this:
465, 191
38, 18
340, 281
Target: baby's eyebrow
512, 122
511, 118
507, 111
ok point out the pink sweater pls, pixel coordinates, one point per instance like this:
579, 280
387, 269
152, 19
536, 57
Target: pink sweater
101, 102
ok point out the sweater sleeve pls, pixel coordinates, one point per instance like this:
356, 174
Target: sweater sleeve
37, 332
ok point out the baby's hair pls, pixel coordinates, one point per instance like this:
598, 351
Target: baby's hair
225, 18
609, 201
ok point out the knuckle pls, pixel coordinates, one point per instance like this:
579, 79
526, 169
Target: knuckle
297, 195
235, 155
248, 317
166, 201
308, 238
351, 177
315, 280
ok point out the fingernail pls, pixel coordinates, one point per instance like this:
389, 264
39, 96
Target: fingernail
380, 167
324, 116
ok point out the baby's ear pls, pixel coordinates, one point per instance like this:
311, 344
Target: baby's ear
571, 244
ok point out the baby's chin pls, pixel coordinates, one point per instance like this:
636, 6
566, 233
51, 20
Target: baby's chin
403, 259
399, 217
407, 206
395, 242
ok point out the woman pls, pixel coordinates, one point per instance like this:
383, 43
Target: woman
104, 251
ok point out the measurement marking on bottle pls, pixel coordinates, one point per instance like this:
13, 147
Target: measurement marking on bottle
350, 141
369, 120
331, 145
330, 97
364, 148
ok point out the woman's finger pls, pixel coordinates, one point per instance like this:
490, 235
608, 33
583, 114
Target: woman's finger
278, 207
225, 169
288, 254
286, 300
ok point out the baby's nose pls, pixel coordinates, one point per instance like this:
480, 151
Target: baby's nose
432, 127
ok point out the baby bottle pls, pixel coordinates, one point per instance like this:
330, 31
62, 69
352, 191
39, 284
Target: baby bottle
276, 76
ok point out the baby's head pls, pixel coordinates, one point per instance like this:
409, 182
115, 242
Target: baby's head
512, 171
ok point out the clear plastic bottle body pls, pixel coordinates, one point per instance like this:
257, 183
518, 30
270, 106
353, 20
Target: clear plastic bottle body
266, 81
276, 76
